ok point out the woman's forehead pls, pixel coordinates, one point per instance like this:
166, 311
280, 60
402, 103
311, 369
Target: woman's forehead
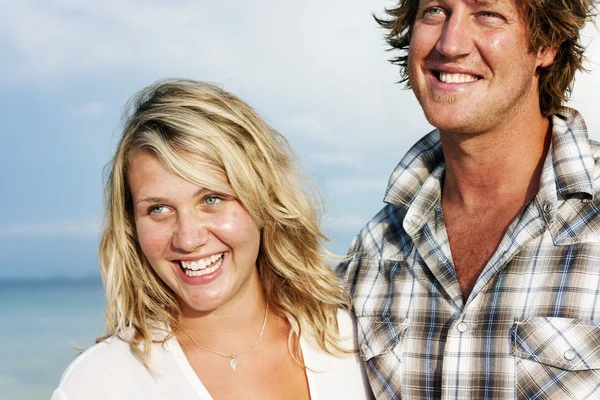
191, 167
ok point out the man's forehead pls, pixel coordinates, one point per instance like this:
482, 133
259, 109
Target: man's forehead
479, 3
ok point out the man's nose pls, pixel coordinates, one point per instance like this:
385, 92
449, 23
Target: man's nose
190, 233
456, 39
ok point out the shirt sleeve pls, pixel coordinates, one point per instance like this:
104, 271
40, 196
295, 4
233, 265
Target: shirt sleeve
346, 270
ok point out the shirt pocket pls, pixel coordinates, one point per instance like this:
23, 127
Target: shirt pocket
381, 343
556, 358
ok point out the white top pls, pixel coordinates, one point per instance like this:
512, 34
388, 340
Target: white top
109, 370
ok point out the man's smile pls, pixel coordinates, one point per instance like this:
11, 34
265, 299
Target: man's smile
456, 78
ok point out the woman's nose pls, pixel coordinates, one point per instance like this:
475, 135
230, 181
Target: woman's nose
190, 233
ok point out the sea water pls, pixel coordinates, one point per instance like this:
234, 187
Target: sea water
41, 324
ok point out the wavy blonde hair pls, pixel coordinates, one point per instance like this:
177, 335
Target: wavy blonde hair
194, 127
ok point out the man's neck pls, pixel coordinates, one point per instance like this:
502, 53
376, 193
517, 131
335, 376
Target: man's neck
489, 178
486, 168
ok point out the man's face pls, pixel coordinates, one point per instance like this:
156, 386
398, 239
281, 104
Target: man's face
470, 65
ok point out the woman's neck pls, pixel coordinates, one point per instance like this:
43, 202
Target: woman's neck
236, 318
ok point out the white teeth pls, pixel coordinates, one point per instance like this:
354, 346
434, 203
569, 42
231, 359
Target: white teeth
456, 78
200, 264
205, 271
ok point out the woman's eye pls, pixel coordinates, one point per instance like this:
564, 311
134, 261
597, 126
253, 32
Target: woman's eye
212, 200
157, 210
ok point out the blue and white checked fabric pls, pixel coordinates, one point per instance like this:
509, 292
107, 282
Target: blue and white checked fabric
530, 329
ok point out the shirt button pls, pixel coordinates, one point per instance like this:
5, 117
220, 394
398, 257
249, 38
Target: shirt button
570, 355
462, 327
415, 219
547, 207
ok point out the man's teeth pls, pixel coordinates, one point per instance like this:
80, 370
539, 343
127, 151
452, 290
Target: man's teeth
199, 267
456, 78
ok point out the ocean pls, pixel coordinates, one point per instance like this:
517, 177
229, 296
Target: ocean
41, 325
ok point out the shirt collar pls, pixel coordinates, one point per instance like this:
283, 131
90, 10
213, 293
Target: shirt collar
570, 157
412, 171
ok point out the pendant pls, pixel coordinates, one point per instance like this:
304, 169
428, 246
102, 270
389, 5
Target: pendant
233, 363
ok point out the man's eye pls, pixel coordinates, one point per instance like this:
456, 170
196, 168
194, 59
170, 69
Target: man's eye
434, 14
491, 19
489, 14
434, 11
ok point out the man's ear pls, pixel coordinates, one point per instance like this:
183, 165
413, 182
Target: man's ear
546, 56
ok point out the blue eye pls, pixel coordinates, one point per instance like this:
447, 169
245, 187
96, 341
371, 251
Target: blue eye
212, 200
157, 210
434, 11
434, 15
489, 14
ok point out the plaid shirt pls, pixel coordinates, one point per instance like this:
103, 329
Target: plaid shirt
530, 328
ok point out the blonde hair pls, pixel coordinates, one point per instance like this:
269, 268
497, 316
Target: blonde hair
193, 127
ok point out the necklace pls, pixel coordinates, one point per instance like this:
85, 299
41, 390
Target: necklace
233, 361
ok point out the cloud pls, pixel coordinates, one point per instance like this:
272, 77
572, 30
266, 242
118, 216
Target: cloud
91, 109
345, 159
327, 82
316, 70
309, 126
347, 223
352, 186
65, 228
61, 36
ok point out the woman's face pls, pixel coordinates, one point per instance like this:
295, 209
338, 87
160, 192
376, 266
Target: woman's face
201, 243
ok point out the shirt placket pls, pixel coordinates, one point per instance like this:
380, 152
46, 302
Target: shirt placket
468, 353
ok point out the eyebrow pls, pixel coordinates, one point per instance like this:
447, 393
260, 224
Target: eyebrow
150, 200
199, 193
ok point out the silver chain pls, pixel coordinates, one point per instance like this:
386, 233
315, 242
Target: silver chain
233, 361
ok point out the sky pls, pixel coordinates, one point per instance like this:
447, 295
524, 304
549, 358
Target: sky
316, 70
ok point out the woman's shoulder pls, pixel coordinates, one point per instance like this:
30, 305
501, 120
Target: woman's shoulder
107, 364
339, 375
347, 329
110, 350
346, 321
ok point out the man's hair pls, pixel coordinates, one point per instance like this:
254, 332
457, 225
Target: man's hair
198, 132
550, 23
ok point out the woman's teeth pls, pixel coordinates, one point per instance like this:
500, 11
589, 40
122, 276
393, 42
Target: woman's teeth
203, 266
204, 271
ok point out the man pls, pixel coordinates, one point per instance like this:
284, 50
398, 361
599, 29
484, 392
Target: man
480, 278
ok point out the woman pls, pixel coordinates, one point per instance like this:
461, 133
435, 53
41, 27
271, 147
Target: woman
211, 258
